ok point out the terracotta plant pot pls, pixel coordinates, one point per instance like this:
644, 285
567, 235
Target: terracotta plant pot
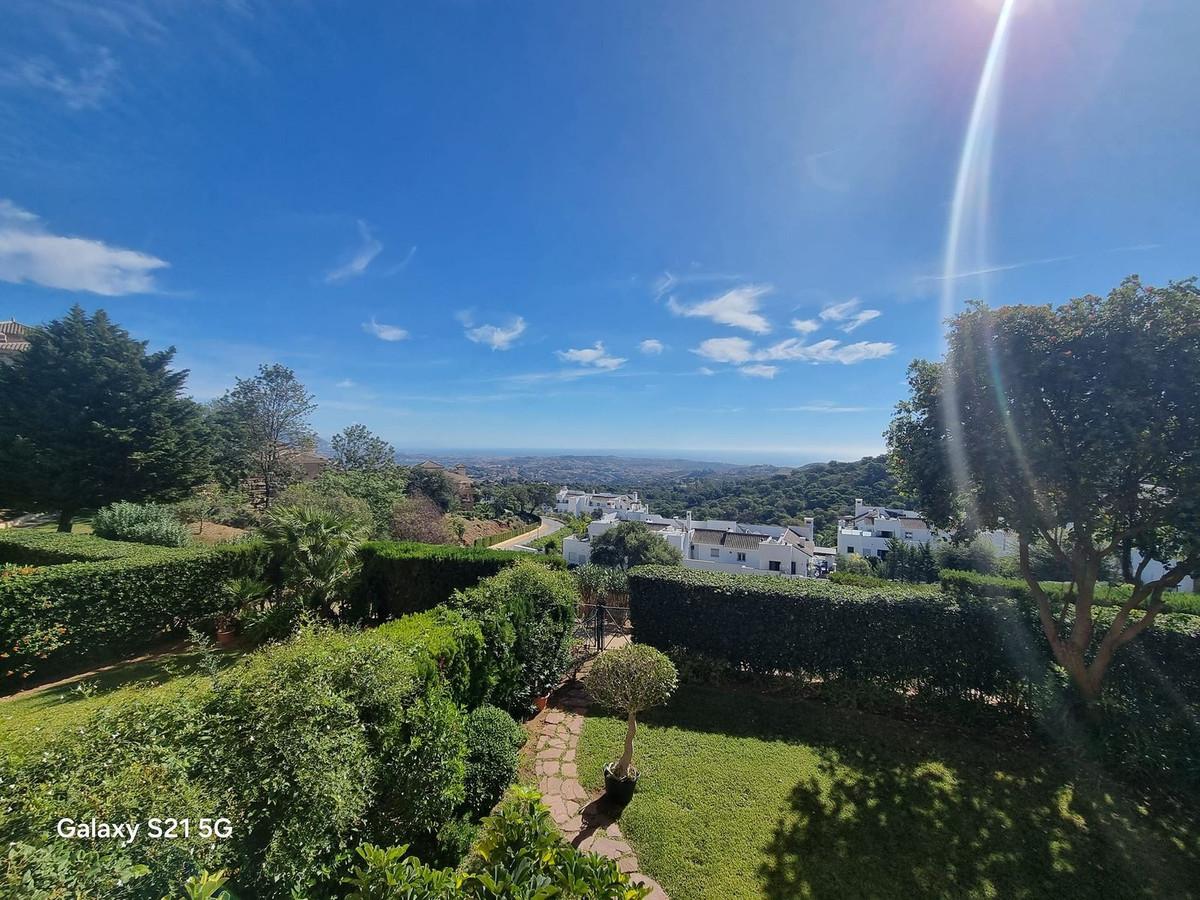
540, 702
619, 790
226, 636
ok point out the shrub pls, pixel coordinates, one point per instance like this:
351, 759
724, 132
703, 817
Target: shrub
448, 645
629, 680
128, 763
520, 853
525, 528
493, 739
141, 523
633, 544
50, 548
317, 554
877, 583
419, 519
329, 500
527, 613
76, 612
399, 578
330, 739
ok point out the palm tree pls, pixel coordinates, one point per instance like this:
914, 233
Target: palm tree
317, 552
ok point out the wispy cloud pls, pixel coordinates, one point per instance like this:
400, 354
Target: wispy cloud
1027, 263
357, 263
498, 337
384, 332
87, 89
805, 326
346, 383
848, 315
737, 351
651, 347
758, 370
737, 308
403, 264
595, 356
668, 281
31, 254
825, 408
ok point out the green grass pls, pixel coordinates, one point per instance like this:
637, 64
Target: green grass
29, 719
744, 795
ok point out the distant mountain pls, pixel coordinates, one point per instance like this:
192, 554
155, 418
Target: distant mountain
589, 472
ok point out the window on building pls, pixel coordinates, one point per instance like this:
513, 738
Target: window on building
714, 552
886, 534
773, 565
793, 567
849, 549
741, 557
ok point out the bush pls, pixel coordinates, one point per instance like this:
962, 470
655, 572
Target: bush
877, 583
329, 500
127, 764
399, 578
493, 739
69, 613
527, 613
141, 523
629, 680
520, 853
332, 738
419, 519
526, 528
445, 643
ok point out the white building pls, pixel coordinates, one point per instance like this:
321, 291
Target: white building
869, 530
583, 503
718, 545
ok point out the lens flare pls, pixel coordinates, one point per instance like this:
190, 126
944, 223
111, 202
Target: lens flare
966, 235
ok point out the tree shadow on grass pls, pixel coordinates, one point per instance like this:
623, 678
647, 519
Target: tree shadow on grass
866, 825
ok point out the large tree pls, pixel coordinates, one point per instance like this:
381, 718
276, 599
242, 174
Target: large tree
263, 422
433, 484
629, 544
1076, 426
88, 417
357, 449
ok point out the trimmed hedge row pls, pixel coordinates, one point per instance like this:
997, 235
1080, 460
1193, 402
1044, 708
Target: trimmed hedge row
128, 597
445, 643
405, 577
493, 539
896, 638
49, 548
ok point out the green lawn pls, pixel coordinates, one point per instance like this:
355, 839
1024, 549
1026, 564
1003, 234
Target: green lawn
28, 719
744, 795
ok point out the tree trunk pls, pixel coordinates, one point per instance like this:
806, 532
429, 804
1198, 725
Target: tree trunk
626, 760
64, 520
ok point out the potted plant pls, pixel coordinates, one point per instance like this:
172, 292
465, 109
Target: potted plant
239, 593
225, 629
629, 680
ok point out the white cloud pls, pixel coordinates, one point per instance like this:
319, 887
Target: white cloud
495, 336
737, 308
384, 332
651, 347
758, 370
30, 254
595, 356
739, 350
825, 408
849, 314
346, 383
805, 326
705, 370
87, 90
368, 249
726, 350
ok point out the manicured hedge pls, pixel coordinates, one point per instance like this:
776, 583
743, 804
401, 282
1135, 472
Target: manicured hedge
493, 539
67, 613
399, 578
896, 638
872, 581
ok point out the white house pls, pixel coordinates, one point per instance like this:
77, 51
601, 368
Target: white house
869, 530
583, 503
718, 545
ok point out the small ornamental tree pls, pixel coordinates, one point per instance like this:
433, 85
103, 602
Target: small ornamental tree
1077, 427
357, 449
630, 680
630, 544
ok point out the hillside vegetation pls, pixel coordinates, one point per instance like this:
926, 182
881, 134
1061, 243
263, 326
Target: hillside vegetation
821, 490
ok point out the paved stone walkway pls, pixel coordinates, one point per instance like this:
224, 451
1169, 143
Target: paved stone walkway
589, 823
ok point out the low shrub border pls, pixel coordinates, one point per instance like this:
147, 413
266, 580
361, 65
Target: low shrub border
492, 539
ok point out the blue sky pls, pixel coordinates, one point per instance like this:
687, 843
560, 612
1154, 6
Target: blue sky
707, 228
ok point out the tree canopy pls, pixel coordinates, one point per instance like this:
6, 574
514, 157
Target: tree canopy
88, 417
357, 449
260, 425
1077, 426
629, 544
